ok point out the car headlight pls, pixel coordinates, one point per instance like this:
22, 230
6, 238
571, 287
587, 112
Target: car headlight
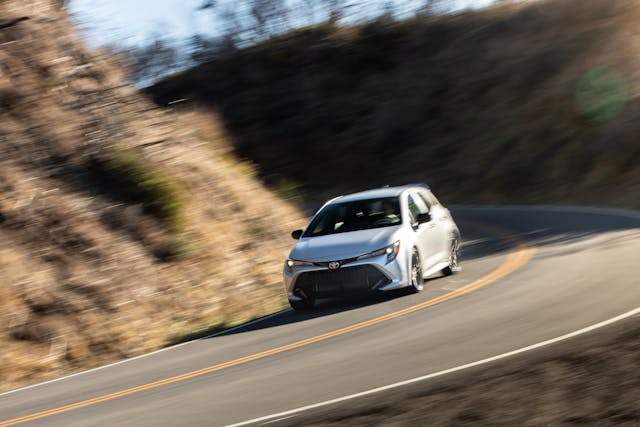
290, 263
391, 251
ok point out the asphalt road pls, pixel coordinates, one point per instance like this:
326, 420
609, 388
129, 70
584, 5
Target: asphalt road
529, 275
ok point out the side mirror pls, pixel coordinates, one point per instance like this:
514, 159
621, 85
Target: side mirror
424, 217
296, 234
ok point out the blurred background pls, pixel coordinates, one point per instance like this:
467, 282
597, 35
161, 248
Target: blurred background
440, 91
156, 154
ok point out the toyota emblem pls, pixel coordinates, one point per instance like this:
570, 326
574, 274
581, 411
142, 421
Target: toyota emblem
334, 265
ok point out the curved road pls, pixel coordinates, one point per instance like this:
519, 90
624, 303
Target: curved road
529, 275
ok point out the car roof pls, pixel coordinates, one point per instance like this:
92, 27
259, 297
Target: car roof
378, 193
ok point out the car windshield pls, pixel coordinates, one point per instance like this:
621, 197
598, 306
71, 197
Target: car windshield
354, 216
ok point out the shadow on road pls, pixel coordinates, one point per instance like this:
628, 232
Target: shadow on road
324, 308
552, 227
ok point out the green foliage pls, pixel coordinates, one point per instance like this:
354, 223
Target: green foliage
288, 189
143, 183
173, 248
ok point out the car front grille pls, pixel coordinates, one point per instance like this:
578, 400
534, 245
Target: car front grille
354, 280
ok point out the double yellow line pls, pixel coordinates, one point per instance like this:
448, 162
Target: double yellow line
519, 256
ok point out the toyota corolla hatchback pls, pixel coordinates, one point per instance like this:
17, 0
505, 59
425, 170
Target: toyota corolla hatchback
372, 241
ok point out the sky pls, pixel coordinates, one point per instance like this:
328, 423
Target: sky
135, 22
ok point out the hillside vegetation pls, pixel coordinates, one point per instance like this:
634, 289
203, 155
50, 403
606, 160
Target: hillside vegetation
531, 102
124, 227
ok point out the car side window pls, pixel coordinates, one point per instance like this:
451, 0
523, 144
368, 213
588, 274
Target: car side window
416, 207
426, 201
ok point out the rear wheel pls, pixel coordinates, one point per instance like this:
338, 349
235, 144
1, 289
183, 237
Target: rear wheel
416, 272
453, 257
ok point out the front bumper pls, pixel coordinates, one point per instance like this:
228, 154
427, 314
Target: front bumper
355, 278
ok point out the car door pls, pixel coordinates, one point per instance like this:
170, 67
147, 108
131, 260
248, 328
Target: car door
427, 239
439, 217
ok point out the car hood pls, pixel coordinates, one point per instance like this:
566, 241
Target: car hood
343, 245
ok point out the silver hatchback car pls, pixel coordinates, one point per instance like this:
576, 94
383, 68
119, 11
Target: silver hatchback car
372, 241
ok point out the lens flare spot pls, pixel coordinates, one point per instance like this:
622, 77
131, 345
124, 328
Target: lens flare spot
601, 94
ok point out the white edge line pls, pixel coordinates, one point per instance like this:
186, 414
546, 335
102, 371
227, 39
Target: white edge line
279, 419
440, 373
225, 331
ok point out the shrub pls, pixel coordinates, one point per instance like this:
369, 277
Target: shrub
173, 248
288, 189
135, 179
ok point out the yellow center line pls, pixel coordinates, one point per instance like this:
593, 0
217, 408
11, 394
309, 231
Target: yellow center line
518, 257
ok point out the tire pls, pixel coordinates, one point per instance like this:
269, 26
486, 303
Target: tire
302, 305
415, 273
453, 258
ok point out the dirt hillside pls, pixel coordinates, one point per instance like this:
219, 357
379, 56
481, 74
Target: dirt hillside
124, 227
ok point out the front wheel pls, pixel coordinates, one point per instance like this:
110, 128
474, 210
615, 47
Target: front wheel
453, 258
302, 305
416, 272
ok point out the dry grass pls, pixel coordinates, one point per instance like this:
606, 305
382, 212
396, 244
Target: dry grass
92, 270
